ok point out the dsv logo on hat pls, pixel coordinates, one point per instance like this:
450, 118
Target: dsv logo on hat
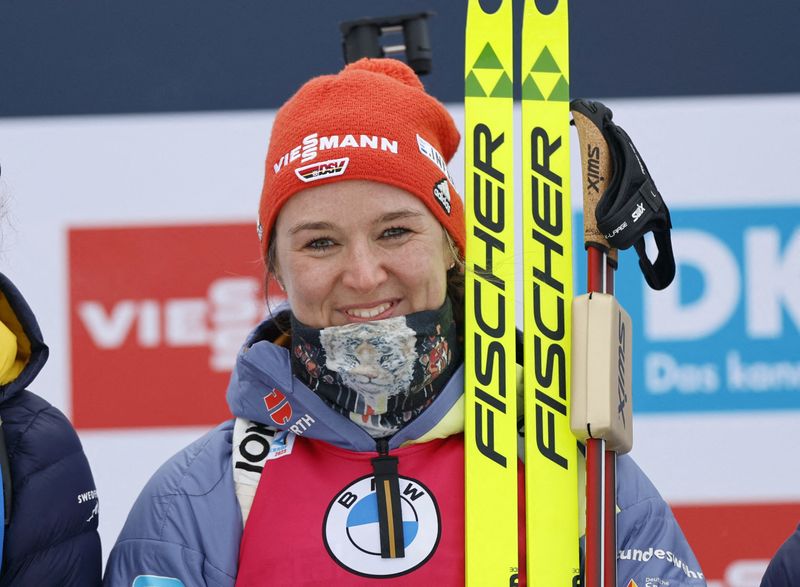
352, 537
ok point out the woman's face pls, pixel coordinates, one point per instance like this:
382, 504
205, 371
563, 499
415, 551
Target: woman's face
358, 250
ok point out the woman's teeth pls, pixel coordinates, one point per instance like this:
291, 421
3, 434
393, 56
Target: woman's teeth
368, 312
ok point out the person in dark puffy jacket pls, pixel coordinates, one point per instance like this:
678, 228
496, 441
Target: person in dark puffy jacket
784, 568
50, 506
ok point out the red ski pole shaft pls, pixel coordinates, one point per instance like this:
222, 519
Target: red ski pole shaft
610, 504
601, 543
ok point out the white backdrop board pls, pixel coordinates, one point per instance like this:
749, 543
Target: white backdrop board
705, 154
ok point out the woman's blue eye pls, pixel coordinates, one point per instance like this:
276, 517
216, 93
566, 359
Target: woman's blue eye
319, 244
395, 232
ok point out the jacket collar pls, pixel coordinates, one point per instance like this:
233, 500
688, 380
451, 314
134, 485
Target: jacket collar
263, 389
32, 352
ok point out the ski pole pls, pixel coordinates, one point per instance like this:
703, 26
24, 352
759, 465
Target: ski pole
621, 205
600, 544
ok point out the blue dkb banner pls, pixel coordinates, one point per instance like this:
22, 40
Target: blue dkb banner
726, 334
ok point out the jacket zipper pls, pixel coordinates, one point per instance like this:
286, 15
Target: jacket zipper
387, 489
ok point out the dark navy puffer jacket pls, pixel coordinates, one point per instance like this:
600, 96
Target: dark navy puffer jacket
51, 537
784, 568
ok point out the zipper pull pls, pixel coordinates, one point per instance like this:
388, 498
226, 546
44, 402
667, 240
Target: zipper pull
390, 513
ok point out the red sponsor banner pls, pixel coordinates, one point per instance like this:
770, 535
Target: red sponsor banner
157, 315
734, 542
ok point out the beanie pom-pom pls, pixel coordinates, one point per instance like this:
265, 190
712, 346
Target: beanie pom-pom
393, 68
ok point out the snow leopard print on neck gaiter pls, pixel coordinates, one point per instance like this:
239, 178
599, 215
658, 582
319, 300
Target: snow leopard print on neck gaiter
380, 374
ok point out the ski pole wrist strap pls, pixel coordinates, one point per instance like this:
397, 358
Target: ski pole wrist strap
631, 206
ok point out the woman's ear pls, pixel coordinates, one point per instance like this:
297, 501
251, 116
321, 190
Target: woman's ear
450, 250
277, 277
272, 263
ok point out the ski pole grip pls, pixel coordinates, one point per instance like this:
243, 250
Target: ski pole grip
597, 168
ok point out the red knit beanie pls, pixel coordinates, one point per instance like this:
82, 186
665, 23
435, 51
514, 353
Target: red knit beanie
373, 120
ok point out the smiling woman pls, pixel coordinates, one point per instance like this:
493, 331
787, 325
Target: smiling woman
344, 462
349, 399
358, 251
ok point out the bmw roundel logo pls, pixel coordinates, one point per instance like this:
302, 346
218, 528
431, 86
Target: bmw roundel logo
351, 534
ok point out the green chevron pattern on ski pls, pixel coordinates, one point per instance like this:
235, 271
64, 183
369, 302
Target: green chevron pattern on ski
545, 73
488, 77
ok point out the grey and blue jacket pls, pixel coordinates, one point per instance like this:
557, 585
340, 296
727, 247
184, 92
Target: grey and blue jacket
186, 526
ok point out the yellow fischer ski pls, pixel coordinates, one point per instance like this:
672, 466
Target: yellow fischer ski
551, 455
490, 432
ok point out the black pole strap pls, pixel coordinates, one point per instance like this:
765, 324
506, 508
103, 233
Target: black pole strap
631, 205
